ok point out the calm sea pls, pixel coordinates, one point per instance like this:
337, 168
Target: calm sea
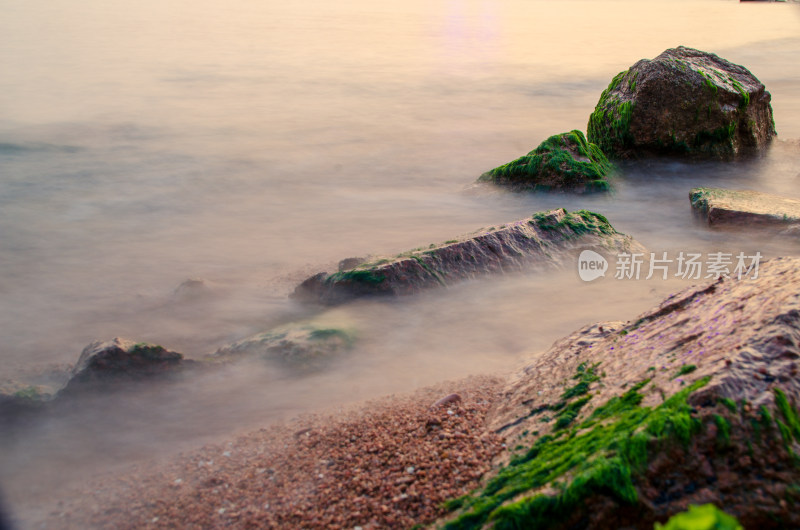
251, 143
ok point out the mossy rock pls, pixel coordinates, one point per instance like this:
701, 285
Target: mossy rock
546, 239
299, 346
686, 103
564, 161
611, 469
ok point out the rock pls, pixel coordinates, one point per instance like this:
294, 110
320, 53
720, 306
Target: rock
308, 346
562, 162
349, 263
684, 102
19, 404
723, 207
192, 289
546, 239
626, 424
110, 362
447, 400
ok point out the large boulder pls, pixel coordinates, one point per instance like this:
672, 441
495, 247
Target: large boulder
562, 162
105, 363
723, 207
546, 239
623, 424
684, 102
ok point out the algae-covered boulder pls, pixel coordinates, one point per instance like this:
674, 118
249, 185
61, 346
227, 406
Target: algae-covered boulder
107, 363
546, 239
745, 208
684, 102
625, 424
303, 346
562, 162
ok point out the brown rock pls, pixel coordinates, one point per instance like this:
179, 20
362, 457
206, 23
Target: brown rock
685, 102
546, 239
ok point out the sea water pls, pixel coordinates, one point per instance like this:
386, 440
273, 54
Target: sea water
251, 144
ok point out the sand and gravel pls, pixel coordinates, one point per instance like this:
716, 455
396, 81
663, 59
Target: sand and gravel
388, 463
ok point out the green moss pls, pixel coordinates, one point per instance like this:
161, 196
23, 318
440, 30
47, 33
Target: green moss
745, 96
705, 517
600, 459
329, 333
579, 222
789, 427
723, 430
570, 412
729, 404
609, 124
765, 417
29, 393
564, 160
585, 377
685, 369
148, 351
709, 84
360, 275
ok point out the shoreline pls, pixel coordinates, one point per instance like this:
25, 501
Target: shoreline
389, 462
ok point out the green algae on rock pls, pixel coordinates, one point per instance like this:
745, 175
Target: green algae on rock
564, 161
705, 517
546, 239
559, 473
684, 102
303, 346
695, 402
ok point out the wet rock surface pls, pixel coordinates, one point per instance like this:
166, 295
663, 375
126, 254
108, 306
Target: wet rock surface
685, 102
695, 401
745, 208
546, 239
562, 162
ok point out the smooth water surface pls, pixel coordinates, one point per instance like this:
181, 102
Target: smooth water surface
253, 143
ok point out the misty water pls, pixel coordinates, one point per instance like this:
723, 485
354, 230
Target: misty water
252, 144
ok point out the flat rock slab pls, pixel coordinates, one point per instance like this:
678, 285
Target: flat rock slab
546, 238
721, 207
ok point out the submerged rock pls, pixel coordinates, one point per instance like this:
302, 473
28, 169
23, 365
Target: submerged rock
298, 346
18, 400
547, 238
192, 289
723, 207
110, 362
562, 162
684, 102
624, 424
